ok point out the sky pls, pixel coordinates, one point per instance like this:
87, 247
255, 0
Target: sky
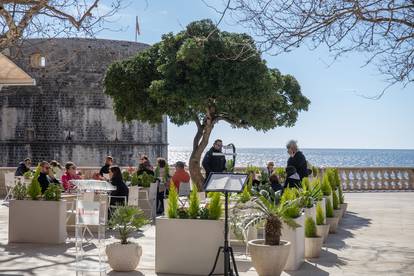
338, 116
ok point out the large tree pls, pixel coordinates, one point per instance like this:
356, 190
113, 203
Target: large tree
204, 75
52, 18
381, 29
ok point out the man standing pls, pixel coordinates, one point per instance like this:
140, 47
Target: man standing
297, 159
23, 167
105, 168
214, 160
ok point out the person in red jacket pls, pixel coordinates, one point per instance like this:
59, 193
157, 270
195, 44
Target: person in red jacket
180, 175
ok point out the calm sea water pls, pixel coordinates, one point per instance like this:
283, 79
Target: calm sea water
317, 157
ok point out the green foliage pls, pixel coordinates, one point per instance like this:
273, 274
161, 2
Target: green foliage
127, 219
336, 178
183, 213
145, 180
316, 185
126, 176
19, 191
134, 179
194, 205
326, 186
173, 201
340, 194
230, 165
34, 189
335, 201
53, 192
203, 74
215, 207
281, 173
309, 194
204, 213
245, 195
319, 214
315, 171
330, 173
250, 169
329, 209
28, 174
293, 209
310, 228
306, 183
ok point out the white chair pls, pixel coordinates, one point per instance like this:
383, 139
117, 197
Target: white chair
184, 192
9, 182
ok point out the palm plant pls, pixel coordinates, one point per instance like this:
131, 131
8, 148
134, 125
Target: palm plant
309, 194
127, 219
270, 210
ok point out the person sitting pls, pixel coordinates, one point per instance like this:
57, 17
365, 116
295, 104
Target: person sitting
23, 167
292, 178
56, 169
274, 183
145, 166
120, 195
180, 175
269, 168
68, 176
108, 163
46, 176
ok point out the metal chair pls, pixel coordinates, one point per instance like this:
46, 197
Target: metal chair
184, 191
9, 182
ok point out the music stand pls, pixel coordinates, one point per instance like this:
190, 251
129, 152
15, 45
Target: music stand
226, 183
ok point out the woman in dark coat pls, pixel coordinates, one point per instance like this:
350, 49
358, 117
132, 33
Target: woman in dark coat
297, 159
121, 188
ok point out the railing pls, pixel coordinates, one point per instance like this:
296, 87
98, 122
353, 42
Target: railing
352, 178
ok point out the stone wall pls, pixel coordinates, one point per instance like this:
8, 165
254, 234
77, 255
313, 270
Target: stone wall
66, 116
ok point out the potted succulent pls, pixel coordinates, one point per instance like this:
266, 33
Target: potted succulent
179, 232
322, 229
330, 218
36, 220
269, 255
125, 255
313, 243
296, 236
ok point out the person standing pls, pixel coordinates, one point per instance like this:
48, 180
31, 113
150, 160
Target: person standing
214, 163
23, 167
108, 163
297, 159
46, 176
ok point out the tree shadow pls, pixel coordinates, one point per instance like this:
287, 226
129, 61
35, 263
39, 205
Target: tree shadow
307, 269
352, 221
129, 273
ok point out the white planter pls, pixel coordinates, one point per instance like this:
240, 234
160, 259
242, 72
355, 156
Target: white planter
310, 212
297, 238
269, 260
323, 205
333, 223
338, 213
188, 246
123, 257
344, 206
322, 231
313, 247
37, 221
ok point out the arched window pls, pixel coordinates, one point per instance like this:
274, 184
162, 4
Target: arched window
37, 60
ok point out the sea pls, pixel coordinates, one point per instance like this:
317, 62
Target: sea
317, 157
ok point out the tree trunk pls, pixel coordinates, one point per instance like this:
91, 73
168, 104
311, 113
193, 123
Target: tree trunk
273, 229
199, 144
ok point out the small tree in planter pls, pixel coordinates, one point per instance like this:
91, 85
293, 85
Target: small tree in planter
19, 191
125, 255
53, 193
194, 205
330, 218
34, 190
322, 229
336, 206
313, 243
269, 256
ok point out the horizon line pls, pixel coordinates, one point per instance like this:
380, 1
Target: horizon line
311, 148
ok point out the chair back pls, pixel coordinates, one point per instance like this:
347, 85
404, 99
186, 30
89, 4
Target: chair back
185, 189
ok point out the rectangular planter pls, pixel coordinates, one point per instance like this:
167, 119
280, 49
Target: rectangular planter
188, 246
323, 205
297, 239
37, 221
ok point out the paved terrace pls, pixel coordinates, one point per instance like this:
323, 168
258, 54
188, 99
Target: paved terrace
375, 237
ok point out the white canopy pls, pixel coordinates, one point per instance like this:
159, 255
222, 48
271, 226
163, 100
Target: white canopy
11, 74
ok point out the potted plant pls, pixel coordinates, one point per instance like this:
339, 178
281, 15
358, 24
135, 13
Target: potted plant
322, 229
36, 220
125, 255
309, 195
342, 203
326, 188
19, 191
336, 206
296, 236
179, 232
330, 218
313, 242
319, 198
269, 255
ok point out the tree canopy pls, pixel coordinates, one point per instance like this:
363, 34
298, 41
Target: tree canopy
204, 75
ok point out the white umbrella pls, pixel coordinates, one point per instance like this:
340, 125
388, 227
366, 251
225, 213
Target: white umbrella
13, 75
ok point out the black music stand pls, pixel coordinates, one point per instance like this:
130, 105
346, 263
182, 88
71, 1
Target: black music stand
226, 183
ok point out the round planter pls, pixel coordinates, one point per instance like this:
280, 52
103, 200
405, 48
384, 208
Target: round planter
333, 223
123, 257
344, 206
322, 231
269, 260
313, 247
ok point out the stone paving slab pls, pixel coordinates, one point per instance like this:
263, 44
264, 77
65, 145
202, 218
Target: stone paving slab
376, 237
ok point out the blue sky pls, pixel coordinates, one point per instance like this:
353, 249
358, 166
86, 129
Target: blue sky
337, 118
